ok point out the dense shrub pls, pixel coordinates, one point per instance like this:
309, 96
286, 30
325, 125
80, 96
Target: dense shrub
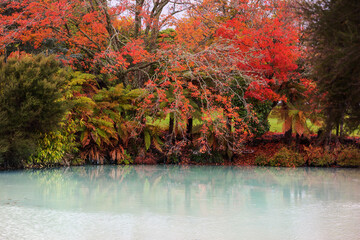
262, 160
106, 123
258, 124
57, 148
318, 157
30, 105
349, 157
261, 125
211, 157
287, 158
173, 159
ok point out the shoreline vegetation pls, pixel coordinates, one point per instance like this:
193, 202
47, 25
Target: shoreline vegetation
267, 151
89, 82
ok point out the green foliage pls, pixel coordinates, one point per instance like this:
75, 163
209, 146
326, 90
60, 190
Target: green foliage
55, 148
260, 125
167, 36
213, 157
349, 157
318, 157
152, 135
257, 121
173, 158
120, 155
287, 158
147, 139
262, 160
30, 104
333, 32
105, 118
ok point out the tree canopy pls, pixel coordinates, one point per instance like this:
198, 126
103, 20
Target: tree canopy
333, 34
30, 104
212, 70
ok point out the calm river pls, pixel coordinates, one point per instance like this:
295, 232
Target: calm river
180, 202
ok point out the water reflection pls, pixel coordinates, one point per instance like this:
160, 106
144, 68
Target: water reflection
188, 202
176, 189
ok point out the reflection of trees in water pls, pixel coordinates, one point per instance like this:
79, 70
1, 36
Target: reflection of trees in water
320, 183
181, 189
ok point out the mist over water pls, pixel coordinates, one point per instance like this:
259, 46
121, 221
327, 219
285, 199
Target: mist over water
180, 202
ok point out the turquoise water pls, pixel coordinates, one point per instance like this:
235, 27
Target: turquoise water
180, 202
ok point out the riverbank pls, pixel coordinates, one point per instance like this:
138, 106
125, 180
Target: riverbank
270, 150
275, 151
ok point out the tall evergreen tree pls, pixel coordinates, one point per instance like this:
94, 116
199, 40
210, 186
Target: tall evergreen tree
333, 34
30, 93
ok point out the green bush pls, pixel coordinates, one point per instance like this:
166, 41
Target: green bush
318, 157
30, 105
259, 125
212, 157
173, 159
349, 157
257, 122
287, 158
324, 161
262, 160
56, 148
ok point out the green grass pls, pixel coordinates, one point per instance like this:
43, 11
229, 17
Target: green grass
275, 125
164, 123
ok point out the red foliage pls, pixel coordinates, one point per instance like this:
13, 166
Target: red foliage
267, 34
192, 75
85, 30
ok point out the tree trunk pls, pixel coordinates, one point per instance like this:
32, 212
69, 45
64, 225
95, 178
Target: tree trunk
342, 126
341, 129
171, 128
297, 141
228, 125
189, 128
5, 55
171, 123
138, 7
287, 125
288, 136
229, 150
